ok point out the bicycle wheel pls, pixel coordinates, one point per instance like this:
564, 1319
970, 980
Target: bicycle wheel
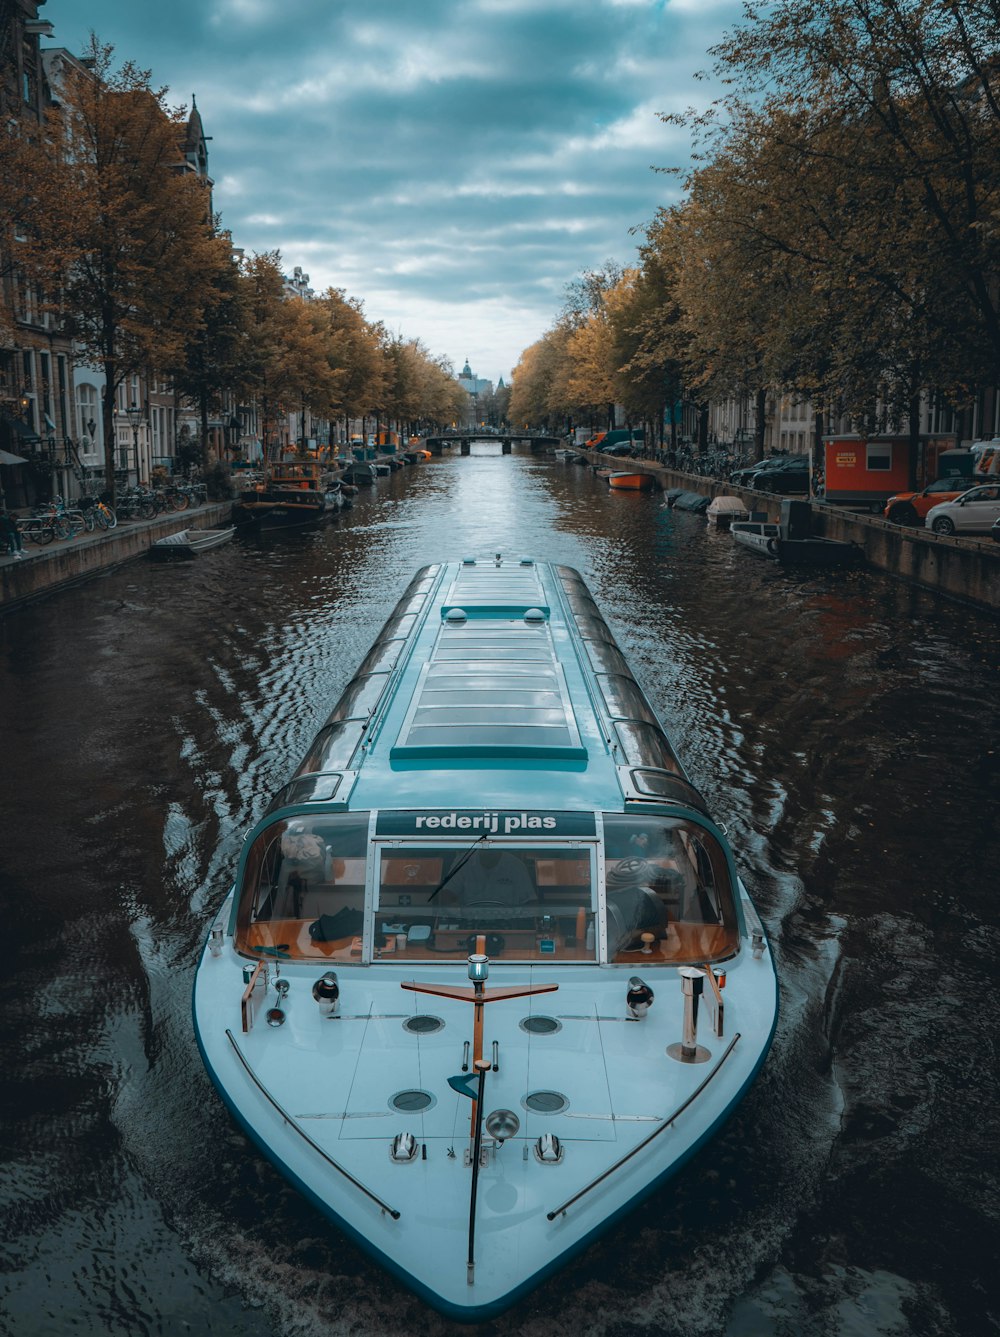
62, 528
110, 518
147, 509
182, 501
89, 522
42, 533
169, 503
99, 517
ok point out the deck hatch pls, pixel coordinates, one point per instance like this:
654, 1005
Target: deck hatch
494, 686
493, 590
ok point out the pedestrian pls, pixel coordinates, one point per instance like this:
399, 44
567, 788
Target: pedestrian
10, 534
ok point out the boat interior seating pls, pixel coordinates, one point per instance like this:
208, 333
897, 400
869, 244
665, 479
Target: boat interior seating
531, 902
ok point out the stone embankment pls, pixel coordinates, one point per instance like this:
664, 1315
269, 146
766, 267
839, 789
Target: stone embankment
961, 568
69, 561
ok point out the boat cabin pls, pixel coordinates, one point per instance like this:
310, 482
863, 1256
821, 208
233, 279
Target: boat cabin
490, 692
435, 882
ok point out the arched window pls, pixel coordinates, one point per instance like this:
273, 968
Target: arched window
89, 417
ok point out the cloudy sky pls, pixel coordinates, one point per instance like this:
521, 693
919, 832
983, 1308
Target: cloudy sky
453, 163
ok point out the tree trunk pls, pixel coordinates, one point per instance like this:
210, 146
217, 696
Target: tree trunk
203, 413
109, 429
760, 426
915, 451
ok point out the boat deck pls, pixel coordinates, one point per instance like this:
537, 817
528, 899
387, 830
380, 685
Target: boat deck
329, 1095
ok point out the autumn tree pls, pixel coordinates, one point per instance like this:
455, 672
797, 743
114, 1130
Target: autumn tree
419, 388
921, 77
875, 131
117, 228
540, 385
354, 350
287, 360
212, 360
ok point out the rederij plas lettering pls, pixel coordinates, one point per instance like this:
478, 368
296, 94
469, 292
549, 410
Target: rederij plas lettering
489, 823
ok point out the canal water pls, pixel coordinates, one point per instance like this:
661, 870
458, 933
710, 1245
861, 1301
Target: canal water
845, 729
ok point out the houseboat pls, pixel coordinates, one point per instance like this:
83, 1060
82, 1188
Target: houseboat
487, 975
293, 494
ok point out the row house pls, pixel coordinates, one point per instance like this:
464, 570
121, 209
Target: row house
790, 422
37, 409
51, 404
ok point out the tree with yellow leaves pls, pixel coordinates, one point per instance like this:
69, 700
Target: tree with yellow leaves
116, 227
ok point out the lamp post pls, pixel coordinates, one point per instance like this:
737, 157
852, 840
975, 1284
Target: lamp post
134, 415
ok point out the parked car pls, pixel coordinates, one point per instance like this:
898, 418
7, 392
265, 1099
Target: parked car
743, 476
974, 512
910, 508
791, 477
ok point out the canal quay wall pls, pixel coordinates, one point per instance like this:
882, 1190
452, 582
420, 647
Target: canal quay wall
70, 561
966, 569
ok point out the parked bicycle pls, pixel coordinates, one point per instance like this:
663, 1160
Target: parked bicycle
175, 497
103, 515
78, 518
54, 515
136, 503
196, 493
44, 528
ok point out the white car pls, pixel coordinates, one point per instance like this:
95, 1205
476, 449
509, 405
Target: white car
972, 513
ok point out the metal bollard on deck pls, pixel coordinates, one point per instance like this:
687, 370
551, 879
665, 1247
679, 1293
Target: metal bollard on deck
689, 1050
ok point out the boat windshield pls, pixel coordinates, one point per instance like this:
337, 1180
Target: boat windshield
670, 898
525, 902
303, 889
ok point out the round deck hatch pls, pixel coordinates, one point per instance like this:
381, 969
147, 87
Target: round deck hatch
540, 1025
411, 1101
545, 1102
423, 1024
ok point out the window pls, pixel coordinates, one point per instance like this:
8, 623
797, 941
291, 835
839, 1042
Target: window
303, 889
527, 903
879, 455
668, 890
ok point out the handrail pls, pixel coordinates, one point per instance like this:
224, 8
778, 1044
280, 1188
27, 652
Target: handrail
303, 1134
667, 1123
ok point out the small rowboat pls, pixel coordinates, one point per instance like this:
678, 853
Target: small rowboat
634, 482
187, 543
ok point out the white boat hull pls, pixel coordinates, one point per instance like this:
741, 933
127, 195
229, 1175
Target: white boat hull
315, 1095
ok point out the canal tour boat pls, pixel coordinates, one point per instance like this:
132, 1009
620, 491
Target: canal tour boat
488, 975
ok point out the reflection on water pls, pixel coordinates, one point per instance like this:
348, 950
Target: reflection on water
841, 726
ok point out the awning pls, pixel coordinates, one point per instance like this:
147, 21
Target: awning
7, 458
20, 429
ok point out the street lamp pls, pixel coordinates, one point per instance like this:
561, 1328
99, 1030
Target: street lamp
134, 415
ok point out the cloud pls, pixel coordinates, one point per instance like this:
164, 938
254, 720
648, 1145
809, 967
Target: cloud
454, 163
